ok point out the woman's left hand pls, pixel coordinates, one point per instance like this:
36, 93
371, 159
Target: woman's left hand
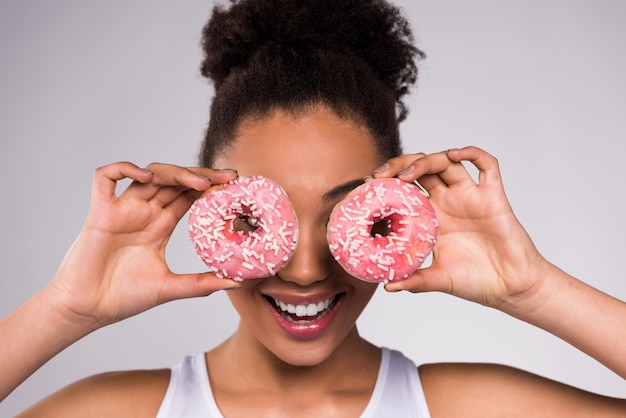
483, 253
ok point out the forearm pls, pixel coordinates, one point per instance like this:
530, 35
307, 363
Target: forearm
585, 317
33, 334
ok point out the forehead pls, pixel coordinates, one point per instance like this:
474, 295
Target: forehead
308, 153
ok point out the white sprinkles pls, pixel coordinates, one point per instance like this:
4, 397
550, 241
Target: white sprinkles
412, 231
244, 255
271, 240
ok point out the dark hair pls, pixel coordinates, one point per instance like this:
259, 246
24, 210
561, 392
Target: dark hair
354, 56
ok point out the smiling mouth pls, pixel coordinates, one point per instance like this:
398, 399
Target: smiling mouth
304, 313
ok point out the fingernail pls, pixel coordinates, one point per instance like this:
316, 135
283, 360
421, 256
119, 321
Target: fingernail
145, 170
406, 171
382, 168
227, 170
204, 177
391, 290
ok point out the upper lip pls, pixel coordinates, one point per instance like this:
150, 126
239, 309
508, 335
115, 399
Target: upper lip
294, 299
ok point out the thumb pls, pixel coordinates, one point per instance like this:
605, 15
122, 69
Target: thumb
183, 286
429, 279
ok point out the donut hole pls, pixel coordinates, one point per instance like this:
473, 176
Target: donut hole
381, 228
245, 224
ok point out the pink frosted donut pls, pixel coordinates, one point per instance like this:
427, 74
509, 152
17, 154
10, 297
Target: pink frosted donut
383, 230
245, 229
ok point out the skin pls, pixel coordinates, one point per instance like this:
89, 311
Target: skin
483, 254
311, 274
499, 265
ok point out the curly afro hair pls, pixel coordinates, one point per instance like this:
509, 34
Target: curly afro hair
355, 56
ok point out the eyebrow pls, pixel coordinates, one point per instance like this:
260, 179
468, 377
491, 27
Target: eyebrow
341, 190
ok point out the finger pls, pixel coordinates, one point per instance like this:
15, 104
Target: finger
430, 182
451, 172
487, 165
428, 279
217, 176
180, 199
396, 165
166, 196
167, 176
431, 171
106, 178
184, 286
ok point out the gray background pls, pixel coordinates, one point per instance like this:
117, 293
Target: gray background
540, 84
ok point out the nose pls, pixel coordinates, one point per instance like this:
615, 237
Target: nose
311, 260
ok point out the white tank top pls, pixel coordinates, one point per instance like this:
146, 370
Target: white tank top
398, 391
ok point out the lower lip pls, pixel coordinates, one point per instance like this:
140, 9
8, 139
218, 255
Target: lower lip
306, 330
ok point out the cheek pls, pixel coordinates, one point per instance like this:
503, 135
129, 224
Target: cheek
361, 291
364, 290
243, 299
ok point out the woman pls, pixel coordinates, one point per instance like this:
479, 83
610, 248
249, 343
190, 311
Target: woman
313, 103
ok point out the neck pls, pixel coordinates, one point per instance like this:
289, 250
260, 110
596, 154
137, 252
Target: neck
352, 364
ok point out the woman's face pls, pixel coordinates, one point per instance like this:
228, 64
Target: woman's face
317, 158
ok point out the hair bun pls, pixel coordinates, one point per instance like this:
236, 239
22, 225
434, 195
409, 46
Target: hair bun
372, 30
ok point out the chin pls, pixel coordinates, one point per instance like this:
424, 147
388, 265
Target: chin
304, 354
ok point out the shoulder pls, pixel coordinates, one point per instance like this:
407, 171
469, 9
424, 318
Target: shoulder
134, 393
484, 390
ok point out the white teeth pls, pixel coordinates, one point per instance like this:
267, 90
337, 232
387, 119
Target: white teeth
312, 309
300, 310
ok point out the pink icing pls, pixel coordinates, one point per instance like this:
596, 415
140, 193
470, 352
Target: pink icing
411, 230
258, 252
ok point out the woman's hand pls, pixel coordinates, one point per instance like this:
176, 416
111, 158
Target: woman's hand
116, 268
483, 253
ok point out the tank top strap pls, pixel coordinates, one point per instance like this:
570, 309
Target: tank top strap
189, 392
398, 391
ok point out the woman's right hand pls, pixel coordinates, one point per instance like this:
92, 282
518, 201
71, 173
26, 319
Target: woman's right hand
116, 268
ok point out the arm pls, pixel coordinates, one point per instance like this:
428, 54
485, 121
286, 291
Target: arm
585, 317
491, 390
484, 255
115, 269
135, 394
